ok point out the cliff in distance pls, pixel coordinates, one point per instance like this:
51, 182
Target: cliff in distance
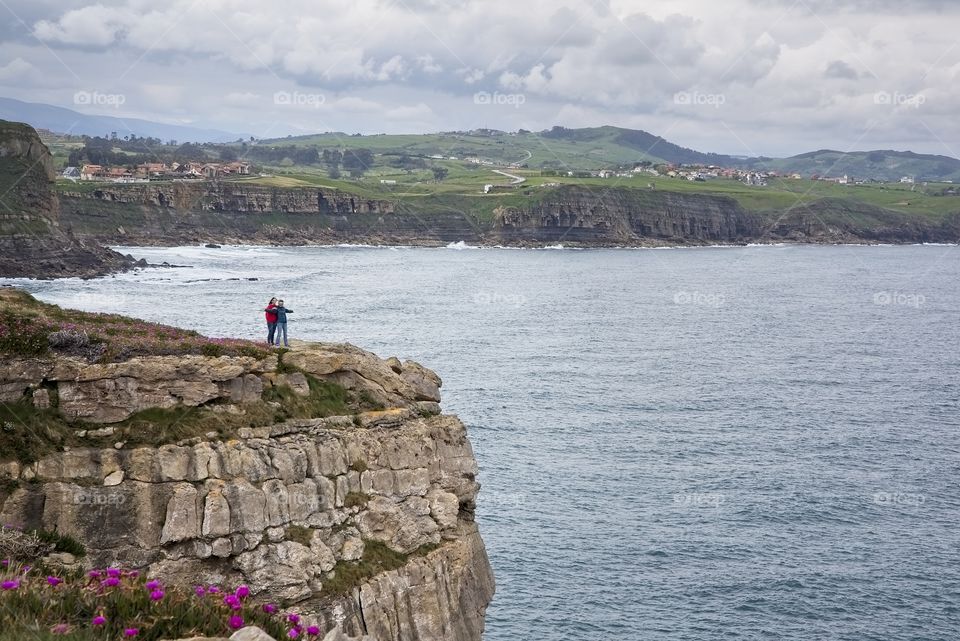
244, 212
323, 477
32, 243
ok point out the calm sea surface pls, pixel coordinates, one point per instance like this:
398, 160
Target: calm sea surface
695, 444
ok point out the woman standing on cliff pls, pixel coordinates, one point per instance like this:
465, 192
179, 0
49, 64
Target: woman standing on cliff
271, 312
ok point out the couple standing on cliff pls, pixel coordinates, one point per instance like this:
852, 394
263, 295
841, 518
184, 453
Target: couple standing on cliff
277, 322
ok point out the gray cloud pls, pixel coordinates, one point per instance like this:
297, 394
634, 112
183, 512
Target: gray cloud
762, 73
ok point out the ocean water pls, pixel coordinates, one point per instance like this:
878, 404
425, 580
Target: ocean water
690, 444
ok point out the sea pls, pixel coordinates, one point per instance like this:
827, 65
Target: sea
693, 444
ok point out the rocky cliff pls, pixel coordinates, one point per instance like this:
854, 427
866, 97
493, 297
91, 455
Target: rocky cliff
32, 244
239, 212
622, 216
364, 519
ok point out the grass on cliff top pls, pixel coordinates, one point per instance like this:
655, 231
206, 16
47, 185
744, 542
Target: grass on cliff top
29, 327
28, 434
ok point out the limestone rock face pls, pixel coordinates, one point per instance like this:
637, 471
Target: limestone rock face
365, 373
225, 512
112, 392
281, 507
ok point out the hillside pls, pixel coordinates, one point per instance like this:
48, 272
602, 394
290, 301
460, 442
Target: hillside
604, 147
885, 165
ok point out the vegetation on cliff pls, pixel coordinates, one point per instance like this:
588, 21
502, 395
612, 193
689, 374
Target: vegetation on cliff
29, 327
42, 603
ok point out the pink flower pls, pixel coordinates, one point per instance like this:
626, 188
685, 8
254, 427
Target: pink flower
114, 573
293, 618
10, 585
232, 601
156, 595
5, 563
242, 592
131, 632
152, 585
313, 630
54, 580
93, 574
236, 622
60, 628
269, 608
98, 620
213, 589
293, 633
200, 590
111, 582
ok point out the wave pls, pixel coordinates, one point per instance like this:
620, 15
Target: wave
461, 245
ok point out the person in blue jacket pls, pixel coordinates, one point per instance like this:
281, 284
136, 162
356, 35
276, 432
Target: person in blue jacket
281, 313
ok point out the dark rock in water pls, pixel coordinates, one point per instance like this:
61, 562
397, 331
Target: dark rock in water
253, 279
212, 246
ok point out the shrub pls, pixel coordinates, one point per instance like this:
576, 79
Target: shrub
23, 335
105, 604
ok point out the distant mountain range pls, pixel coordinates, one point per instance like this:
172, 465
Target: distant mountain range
60, 120
556, 148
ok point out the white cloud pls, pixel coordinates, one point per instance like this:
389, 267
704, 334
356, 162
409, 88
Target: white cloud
16, 70
787, 70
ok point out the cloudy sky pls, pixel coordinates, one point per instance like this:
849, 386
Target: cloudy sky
744, 77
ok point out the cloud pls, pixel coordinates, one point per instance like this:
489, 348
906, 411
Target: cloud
784, 69
16, 70
840, 69
94, 26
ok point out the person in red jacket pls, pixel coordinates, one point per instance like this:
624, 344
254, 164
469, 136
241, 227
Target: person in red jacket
271, 312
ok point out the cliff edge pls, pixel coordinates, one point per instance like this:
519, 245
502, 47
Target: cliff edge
323, 476
32, 244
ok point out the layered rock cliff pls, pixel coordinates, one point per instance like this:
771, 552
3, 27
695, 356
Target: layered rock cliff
32, 244
239, 212
622, 216
364, 520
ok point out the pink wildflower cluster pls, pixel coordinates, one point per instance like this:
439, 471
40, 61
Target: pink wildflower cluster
124, 605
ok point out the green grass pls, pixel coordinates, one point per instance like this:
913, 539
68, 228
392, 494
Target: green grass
356, 499
377, 558
299, 534
28, 434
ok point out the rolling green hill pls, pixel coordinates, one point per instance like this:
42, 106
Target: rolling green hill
885, 165
605, 147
